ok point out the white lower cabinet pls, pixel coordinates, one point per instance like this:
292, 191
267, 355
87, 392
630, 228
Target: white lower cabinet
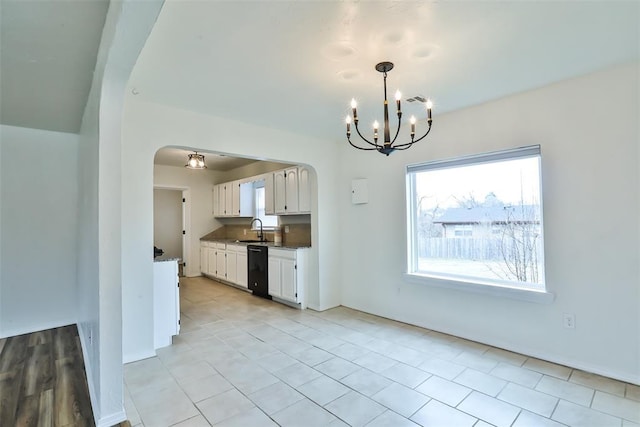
287, 278
242, 269
224, 262
166, 302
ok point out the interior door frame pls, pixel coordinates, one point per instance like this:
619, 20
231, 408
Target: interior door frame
186, 221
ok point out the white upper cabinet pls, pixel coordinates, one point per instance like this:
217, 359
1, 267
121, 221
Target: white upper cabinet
287, 191
304, 190
279, 192
269, 202
291, 190
233, 198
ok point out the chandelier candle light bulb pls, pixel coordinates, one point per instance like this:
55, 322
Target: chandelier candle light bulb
388, 145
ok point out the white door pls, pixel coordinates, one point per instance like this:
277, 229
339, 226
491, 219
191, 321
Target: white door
221, 264
269, 206
211, 263
304, 190
291, 190
235, 198
279, 195
204, 259
288, 280
274, 276
232, 267
228, 199
241, 269
216, 200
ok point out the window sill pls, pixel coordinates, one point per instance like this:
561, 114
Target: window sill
478, 287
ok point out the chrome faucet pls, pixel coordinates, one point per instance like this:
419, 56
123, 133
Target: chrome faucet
260, 233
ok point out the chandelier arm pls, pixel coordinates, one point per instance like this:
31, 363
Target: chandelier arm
397, 130
360, 148
408, 144
365, 139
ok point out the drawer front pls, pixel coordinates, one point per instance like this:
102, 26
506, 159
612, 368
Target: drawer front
237, 248
219, 245
282, 253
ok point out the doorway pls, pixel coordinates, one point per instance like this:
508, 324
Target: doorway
169, 223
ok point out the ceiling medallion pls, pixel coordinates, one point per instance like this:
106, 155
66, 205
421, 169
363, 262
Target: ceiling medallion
196, 161
388, 145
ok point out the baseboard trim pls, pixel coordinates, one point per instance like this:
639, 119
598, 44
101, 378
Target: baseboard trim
87, 369
112, 420
628, 377
40, 327
129, 358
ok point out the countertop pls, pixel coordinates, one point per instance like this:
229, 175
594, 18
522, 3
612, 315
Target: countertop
165, 259
267, 244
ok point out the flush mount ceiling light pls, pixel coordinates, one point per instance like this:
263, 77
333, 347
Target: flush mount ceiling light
196, 161
388, 145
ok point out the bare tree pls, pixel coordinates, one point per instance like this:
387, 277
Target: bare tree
519, 244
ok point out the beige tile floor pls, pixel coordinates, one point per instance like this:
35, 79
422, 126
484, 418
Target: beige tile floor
245, 361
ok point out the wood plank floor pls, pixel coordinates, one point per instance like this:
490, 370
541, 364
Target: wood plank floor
43, 380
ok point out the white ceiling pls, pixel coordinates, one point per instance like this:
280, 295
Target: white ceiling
48, 53
296, 65
178, 157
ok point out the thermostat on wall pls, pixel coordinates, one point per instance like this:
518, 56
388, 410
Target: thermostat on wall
359, 191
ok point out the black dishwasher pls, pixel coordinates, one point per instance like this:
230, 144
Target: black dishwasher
258, 275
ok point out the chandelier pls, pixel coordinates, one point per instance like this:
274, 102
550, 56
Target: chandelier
196, 161
388, 145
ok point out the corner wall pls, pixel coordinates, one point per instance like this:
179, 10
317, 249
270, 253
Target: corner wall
38, 190
588, 132
148, 127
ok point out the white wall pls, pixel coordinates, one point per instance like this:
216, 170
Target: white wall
148, 127
38, 190
252, 169
99, 240
167, 222
588, 132
200, 219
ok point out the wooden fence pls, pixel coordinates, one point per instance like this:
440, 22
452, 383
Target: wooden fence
467, 248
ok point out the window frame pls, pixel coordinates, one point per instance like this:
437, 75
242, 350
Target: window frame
473, 284
255, 227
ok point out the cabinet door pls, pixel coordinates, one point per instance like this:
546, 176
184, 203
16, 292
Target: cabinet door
269, 199
288, 289
228, 199
221, 264
215, 200
274, 276
221, 200
204, 259
291, 190
242, 269
235, 198
304, 190
211, 261
232, 261
279, 198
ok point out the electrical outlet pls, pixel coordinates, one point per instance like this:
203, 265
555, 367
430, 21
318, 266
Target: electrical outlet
245, 231
569, 320
286, 228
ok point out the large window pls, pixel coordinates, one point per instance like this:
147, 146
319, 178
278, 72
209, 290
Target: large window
478, 219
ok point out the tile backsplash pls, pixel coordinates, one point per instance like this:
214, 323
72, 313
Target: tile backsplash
299, 234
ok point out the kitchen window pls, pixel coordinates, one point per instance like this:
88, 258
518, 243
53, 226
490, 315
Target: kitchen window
477, 220
268, 221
